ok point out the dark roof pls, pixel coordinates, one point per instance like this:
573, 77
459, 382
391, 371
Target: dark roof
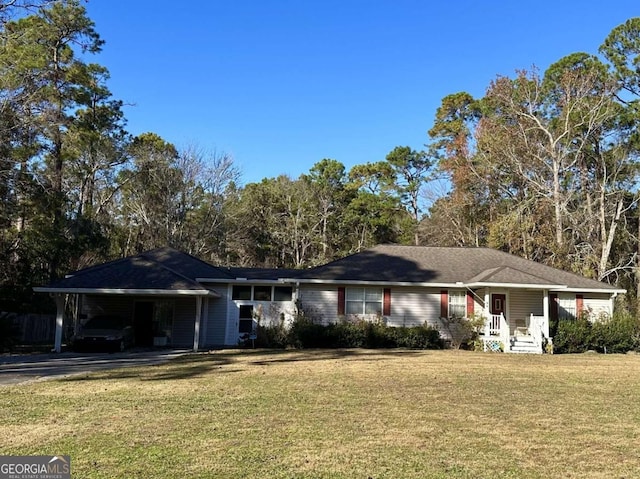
425, 264
265, 274
163, 269
168, 270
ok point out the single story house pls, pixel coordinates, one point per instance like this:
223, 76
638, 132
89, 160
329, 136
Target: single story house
173, 298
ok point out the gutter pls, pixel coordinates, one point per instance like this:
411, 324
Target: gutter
140, 292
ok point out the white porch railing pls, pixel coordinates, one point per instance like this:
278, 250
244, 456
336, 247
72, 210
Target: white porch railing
496, 335
537, 329
494, 324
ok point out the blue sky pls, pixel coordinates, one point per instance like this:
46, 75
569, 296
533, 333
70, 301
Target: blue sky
280, 85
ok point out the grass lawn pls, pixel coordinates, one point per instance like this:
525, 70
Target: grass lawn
338, 414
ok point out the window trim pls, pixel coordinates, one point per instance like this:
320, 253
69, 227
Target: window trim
364, 301
252, 292
462, 294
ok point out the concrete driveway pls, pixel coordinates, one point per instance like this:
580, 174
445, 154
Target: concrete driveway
24, 368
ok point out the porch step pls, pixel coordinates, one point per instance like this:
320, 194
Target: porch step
524, 346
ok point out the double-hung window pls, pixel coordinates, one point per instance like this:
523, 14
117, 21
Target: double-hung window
364, 301
457, 304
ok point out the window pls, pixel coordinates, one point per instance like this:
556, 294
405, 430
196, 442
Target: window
364, 301
262, 293
282, 293
457, 304
241, 292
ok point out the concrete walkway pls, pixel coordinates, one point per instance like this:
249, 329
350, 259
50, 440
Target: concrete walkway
24, 368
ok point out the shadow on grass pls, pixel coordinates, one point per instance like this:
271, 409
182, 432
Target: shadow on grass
194, 365
290, 356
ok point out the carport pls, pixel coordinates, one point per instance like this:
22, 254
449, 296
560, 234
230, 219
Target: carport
146, 279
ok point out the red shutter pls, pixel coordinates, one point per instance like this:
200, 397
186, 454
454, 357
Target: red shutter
340, 301
470, 304
553, 307
579, 305
386, 302
444, 303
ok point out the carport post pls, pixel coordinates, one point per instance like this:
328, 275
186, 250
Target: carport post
196, 332
59, 322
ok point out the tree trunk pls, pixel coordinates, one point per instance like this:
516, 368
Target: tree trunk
557, 203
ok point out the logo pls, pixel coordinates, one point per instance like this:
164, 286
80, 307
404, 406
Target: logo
35, 467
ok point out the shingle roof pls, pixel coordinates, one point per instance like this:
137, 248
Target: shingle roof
166, 269
446, 265
267, 274
163, 269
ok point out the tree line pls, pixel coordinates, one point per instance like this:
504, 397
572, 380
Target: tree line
543, 166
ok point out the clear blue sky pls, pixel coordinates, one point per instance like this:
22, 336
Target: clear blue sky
280, 85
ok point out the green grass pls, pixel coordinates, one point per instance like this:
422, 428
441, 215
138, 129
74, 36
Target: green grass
338, 414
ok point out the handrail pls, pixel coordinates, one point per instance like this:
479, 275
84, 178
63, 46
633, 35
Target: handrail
536, 330
505, 333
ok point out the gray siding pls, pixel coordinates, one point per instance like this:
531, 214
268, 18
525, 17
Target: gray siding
321, 302
478, 301
216, 328
597, 305
409, 306
184, 321
522, 303
414, 307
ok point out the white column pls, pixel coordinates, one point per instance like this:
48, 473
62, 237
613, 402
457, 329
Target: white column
196, 332
487, 311
57, 347
545, 313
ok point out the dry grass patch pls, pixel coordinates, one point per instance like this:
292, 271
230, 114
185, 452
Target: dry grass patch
334, 414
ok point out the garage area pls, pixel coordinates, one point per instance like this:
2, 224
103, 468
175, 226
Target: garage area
156, 293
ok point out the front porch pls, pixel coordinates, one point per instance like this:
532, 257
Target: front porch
516, 321
531, 336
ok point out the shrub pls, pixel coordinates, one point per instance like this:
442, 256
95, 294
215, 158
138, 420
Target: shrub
618, 334
307, 333
417, 337
272, 336
572, 336
463, 332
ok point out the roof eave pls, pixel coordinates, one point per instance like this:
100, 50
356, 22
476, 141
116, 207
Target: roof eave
594, 290
243, 280
374, 283
487, 284
122, 291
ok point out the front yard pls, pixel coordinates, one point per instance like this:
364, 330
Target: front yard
338, 414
